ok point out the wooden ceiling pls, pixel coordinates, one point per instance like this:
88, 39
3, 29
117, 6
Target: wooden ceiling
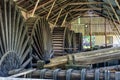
56, 11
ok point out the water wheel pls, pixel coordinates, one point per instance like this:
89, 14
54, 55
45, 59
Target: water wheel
40, 33
61, 41
14, 48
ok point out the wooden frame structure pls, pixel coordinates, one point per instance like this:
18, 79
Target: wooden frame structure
51, 8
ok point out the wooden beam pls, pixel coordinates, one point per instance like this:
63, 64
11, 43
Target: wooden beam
58, 17
57, 9
19, 1
64, 13
90, 32
51, 9
22, 73
105, 33
117, 4
64, 20
90, 57
112, 19
42, 5
76, 16
86, 9
113, 10
83, 3
6, 78
35, 8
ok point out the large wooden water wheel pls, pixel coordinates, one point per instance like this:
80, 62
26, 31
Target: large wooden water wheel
14, 47
61, 41
40, 33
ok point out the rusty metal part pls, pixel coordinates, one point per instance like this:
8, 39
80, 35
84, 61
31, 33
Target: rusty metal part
40, 35
14, 48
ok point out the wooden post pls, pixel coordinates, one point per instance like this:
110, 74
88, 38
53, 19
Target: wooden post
58, 16
105, 33
64, 20
51, 9
90, 26
35, 8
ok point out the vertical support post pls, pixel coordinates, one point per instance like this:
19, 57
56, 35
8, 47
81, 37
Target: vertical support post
105, 33
35, 8
51, 9
90, 26
64, 19
58, 16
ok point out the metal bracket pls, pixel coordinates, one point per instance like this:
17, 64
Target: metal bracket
117, 75
107, 75
97, 74
83, 74
68, 74
55, 74
42, 73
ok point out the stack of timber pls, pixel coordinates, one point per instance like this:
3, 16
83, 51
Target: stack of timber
87, 58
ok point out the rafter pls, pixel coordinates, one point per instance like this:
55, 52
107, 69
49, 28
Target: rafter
116, 1
67, 12
42, 5
55, 9
86, 9
51, 9
76, 15
86, 3
114, 11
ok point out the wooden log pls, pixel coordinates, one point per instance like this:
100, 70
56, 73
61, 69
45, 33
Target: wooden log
90, 57
6, 78
23, 73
